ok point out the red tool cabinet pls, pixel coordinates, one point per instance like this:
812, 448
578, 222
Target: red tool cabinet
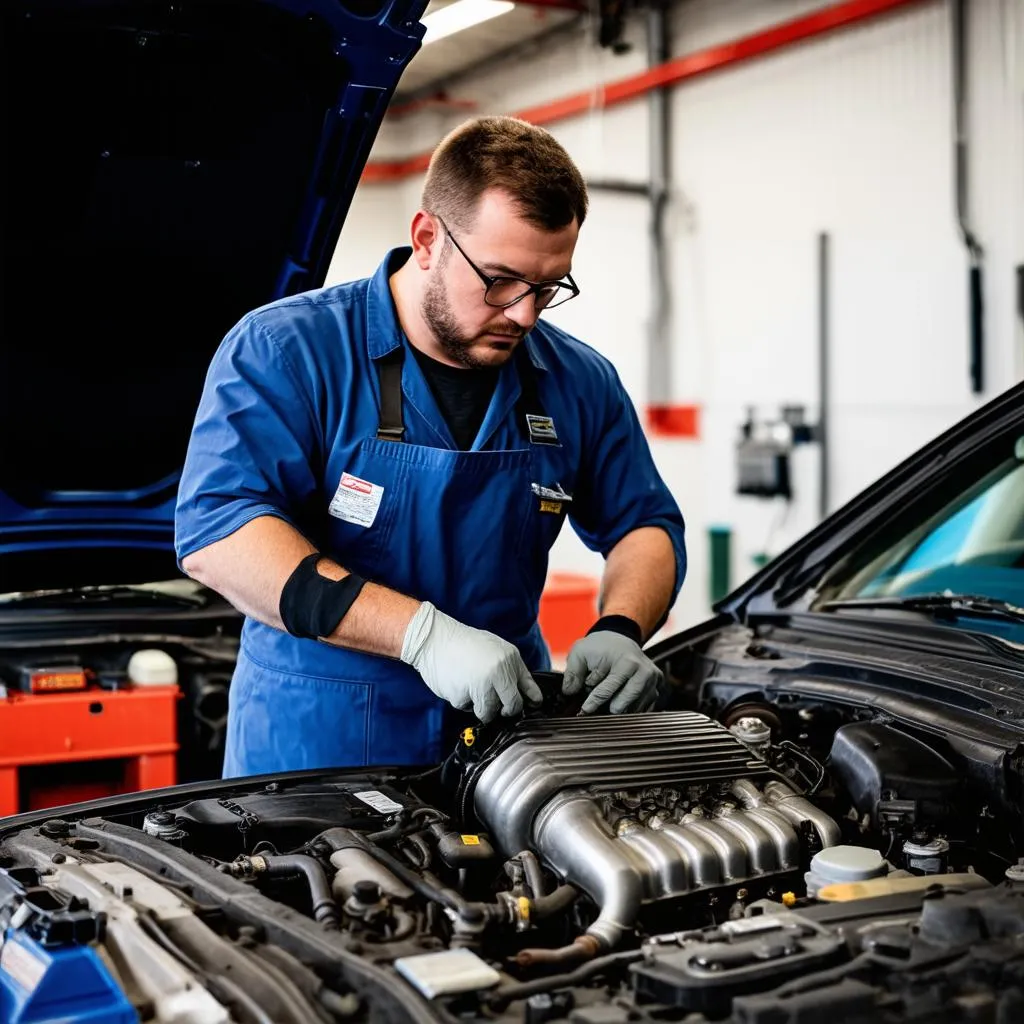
134, 728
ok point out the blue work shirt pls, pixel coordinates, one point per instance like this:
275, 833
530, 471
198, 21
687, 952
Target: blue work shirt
287, 427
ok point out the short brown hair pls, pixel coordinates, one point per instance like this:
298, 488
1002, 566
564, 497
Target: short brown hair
504, 153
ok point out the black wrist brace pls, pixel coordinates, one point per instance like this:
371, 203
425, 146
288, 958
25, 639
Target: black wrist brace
312, 606
622, 624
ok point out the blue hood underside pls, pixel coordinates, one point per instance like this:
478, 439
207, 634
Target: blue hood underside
170, 167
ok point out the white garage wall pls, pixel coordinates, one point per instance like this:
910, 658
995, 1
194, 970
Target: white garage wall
850, 134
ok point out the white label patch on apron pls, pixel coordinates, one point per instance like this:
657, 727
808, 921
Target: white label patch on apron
356, 501
378, 801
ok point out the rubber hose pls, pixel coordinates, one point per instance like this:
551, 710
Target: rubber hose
586, 947
547, 906
534, 876
500, 997
324, 908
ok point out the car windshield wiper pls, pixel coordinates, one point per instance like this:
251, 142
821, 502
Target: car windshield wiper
949, 604
92, 595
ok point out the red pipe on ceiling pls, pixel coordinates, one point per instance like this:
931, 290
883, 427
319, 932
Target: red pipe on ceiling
439, 101
679, 69
564, 5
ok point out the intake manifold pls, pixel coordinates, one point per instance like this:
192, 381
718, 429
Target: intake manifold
544, 793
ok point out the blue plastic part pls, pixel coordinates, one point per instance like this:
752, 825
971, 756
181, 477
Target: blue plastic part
66, 985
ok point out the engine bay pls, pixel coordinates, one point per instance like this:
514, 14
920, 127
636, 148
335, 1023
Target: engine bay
768, 861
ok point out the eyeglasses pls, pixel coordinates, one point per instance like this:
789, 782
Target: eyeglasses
503, 292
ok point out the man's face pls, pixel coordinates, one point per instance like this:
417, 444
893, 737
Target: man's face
502, 244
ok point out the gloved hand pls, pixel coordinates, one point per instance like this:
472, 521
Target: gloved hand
613, 668
469, 668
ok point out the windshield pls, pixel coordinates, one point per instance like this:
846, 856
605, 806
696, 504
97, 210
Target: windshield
964, 537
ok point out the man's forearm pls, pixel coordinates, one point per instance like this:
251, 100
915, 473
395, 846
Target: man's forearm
639, 577
251, 566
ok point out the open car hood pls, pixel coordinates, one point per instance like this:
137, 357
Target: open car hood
797, 569
170, 167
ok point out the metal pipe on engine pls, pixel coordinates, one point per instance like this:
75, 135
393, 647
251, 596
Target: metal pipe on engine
799, 809
581, 846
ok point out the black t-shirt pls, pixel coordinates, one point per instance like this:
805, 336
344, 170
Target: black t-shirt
462, 394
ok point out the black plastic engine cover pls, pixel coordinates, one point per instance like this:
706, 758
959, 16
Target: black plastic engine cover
880, 765
288, 818
741, 956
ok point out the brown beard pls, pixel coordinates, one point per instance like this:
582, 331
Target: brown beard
456, 344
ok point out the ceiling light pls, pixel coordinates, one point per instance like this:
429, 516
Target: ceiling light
462, 14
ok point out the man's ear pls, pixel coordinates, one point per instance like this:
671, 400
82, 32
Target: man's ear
427, 239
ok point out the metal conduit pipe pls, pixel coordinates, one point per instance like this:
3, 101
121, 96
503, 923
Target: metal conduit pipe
659, 347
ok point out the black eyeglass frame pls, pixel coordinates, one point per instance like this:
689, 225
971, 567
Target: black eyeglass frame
531, 288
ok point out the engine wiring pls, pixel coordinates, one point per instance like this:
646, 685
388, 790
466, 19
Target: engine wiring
814, 783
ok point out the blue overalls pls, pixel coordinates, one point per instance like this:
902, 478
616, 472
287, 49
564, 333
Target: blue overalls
311, 413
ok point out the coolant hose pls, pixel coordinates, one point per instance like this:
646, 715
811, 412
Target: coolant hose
548, 906
324, 908
534, 877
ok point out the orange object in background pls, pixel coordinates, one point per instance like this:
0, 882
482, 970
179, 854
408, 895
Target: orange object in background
48, 680
568, 608
134, 731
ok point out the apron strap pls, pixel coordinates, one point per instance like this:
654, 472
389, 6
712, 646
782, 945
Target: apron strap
391, 426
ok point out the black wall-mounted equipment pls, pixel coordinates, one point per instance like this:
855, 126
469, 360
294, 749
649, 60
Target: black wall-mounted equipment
763, 452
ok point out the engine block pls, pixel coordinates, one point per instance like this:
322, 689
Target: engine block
638, 808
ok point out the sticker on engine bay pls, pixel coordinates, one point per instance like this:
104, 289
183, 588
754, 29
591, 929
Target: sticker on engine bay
378, 801
23, 966
356, 501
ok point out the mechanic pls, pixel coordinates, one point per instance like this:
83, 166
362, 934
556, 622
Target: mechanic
378, 469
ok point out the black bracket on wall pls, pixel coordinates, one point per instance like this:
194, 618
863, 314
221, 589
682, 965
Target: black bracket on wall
959, 10
1020, 293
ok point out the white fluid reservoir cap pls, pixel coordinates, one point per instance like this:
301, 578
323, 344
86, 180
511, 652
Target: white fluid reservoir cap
848, 864
152, 667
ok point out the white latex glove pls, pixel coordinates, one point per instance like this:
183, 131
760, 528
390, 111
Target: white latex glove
613, 668
469, 668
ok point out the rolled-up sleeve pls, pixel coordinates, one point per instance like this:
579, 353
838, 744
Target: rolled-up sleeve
620, 489
253, 443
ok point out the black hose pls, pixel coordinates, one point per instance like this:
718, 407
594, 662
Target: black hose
829, 977
419, 843
466, 910
324, 908
554, 903
534, 876
427, 812
403, 827
523, 990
